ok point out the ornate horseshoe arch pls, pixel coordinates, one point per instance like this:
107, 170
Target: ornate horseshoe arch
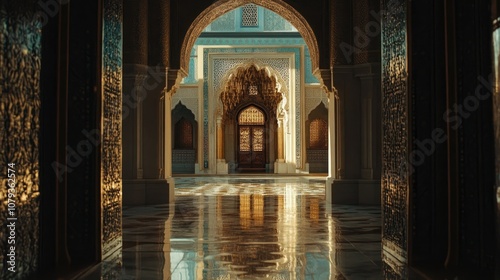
271, 72
223, 6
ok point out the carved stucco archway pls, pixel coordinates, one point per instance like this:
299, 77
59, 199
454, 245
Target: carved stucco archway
271, 72
223, 6
280, 7
278, 107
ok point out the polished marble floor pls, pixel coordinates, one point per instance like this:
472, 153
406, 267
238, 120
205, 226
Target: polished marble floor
255, 227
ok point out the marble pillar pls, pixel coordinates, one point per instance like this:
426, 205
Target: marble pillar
280, 166
146, 126
222, 166
332, 145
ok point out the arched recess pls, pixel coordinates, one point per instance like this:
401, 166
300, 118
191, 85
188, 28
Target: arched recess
184, 139
289, 12
243, 86
317, 139
223, 6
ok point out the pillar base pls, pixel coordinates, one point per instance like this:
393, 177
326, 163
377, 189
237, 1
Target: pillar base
148, 191
281, 167
171, 190
222, 167
197, 169
352, 192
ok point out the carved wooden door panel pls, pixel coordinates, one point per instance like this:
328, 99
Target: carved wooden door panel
251, 148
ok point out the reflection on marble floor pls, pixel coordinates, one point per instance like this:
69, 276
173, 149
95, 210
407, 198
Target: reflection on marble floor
254, 228
264, 185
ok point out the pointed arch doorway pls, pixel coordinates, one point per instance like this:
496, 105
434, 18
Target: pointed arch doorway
249, 102
252, 139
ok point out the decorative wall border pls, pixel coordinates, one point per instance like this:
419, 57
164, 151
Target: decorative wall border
294, 53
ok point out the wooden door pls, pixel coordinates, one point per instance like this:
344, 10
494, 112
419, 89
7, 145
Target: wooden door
251, 139
251, 147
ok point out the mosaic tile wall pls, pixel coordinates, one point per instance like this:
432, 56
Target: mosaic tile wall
274, 22
280, 67
223, 23
111, 161
267, 20
20, 65
289, 45
394, 129
290, 42
308, 75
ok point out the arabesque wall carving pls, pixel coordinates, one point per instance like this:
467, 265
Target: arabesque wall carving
395, 140
250, 84
20, 60
280, 65
111, 161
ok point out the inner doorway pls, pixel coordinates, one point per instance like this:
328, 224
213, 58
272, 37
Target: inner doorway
251, 139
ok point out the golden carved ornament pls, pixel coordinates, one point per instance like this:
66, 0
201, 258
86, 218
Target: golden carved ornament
236, 90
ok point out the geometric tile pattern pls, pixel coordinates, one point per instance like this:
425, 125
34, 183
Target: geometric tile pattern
289, 45
280, 65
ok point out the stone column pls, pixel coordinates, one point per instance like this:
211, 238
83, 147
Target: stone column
199, 166
133, 95
140, 95
147, 128
220, 140
280, 165
339, 135
222, 166
369, 180
366, 130
281, 131
167, 136
332, 145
